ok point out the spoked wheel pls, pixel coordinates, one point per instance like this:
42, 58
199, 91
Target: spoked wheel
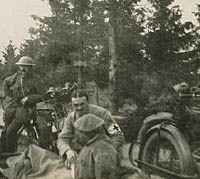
26, 137
167, 157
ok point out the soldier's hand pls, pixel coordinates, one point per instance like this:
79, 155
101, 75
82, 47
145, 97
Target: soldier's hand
71, 156
23, 100
67, 164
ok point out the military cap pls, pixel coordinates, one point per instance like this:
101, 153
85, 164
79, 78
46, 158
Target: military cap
88, 122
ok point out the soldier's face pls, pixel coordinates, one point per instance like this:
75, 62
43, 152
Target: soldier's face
24, 69
80, 105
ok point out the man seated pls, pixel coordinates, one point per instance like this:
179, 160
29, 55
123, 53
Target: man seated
22, 91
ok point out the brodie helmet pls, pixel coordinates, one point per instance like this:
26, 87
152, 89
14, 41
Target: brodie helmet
26, 61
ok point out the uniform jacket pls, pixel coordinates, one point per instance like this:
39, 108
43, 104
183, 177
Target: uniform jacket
66, 139
98, 160
16, 88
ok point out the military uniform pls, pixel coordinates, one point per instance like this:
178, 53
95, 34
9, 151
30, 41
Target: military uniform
67, 140
15, 89
98, 159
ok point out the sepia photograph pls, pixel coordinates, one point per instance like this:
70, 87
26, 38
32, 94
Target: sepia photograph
100, 89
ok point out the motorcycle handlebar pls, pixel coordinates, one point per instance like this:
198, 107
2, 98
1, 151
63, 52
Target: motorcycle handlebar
53, 92
71, 88
189, 95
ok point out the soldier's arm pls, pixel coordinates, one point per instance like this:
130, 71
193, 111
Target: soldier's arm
65, 137
6, 88
7, 83
113, 129
33, 99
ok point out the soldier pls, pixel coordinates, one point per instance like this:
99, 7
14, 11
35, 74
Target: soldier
21, 93
98, 159
67, 142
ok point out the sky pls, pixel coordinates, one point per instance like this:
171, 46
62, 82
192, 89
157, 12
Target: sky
188, 6
15, 18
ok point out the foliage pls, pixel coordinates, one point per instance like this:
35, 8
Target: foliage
76, 25
10, 58
167, 35
196, 40
154, 52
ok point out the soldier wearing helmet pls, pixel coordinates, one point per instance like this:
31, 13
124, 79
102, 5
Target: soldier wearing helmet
98, 158
25, 65
21, 93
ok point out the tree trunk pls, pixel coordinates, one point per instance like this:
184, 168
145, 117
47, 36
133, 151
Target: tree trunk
81, 69
81, 76
113, 86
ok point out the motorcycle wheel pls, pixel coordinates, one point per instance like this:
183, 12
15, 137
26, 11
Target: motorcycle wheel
172, 154
133, 152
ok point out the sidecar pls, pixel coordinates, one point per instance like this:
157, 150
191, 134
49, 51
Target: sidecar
162, 150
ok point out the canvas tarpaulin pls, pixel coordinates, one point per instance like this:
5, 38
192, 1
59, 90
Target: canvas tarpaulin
36, 163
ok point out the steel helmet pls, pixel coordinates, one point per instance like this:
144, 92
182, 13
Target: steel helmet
25, 60
51, 89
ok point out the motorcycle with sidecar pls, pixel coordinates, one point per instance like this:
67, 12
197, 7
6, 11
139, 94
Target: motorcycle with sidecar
168, 143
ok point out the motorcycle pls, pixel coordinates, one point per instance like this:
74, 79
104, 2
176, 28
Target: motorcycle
167, 144
51, 113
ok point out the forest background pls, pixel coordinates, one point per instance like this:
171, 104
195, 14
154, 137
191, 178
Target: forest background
127, 53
